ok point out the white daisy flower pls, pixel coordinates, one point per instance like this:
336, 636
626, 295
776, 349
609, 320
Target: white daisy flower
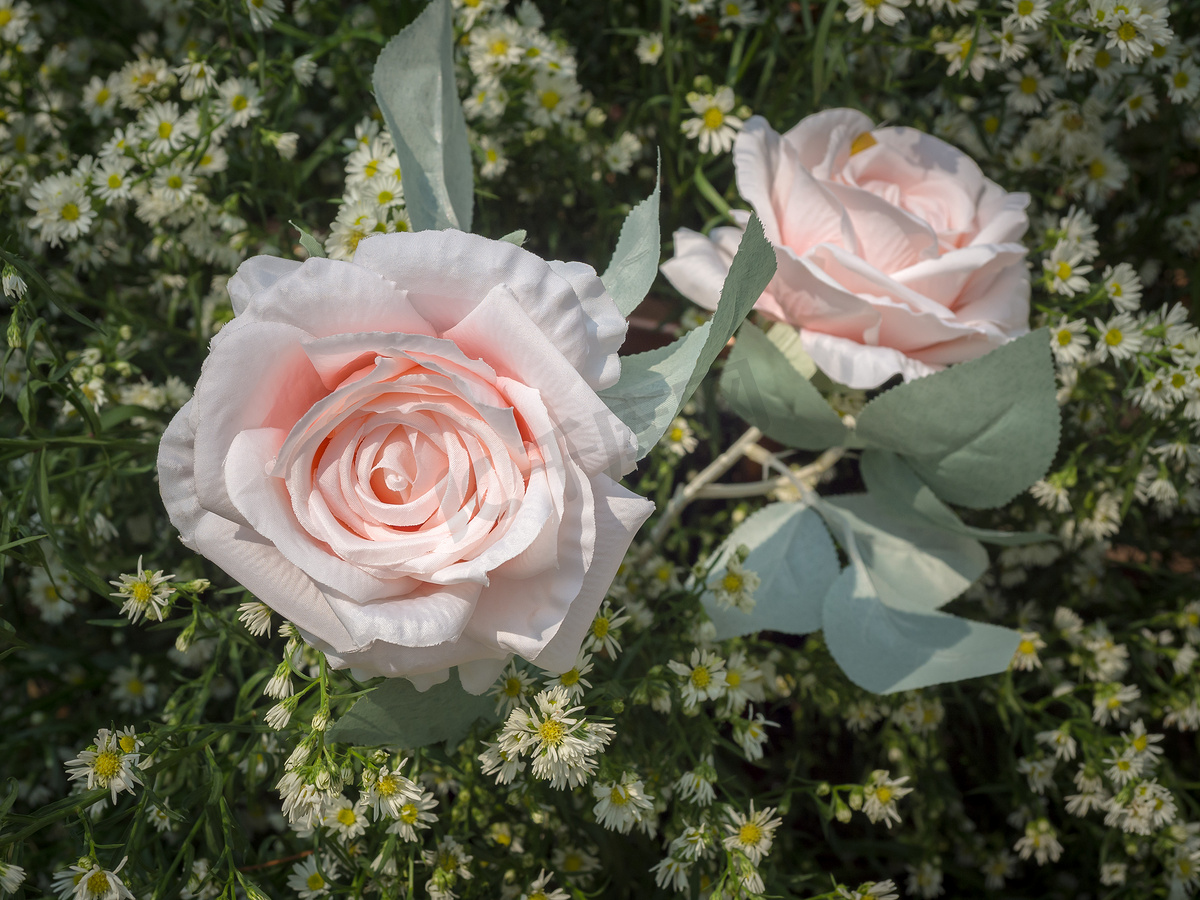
714, 127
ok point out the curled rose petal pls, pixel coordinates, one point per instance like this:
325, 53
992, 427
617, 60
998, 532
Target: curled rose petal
406, 456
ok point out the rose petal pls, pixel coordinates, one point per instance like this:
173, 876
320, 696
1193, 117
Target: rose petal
700, 264
254, 275
858, 365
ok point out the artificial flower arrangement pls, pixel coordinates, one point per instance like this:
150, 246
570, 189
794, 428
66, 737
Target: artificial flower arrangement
410, 446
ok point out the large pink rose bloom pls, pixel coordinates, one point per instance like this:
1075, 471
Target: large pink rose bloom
405, 455
896, 255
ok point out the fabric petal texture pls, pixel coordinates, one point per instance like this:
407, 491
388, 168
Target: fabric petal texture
405, 454
896, 254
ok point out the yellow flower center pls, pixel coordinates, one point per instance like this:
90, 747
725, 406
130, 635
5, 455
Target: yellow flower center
70, 212
165, 129
1113, 337
107, 764
1178, 380
135, 686
572, 862
114, 182
1064, 338
1025, 648
552, 732
549, 99
385, 197
491, 155
1025, 7
315, 882
676, 435
863, 142
713, 118
1103, 59
883, 794
600, 627
1029, 85
1063, 271
1140, 743
1114, 703
408, 813
1097, 170
102, 95
206, 160
97, 884
174, 182
733, 679
1135, 102
346, 816
1126, 31
512, 687
732, 582
240, 102
700, 677
140, 591
617, 796
127, 743
1181, 79
499, 47
569, 678
749, 834
991, 124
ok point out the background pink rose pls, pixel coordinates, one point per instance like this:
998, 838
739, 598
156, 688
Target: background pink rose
895, 253
405, 455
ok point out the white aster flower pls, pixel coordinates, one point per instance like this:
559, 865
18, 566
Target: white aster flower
880, 794
888, 12
714, 126
416, 814
110, 762
1026, 656
621, 805
308, 881
751, 833
703, 678
1120, 337
145, 593
650, 48
1040, 842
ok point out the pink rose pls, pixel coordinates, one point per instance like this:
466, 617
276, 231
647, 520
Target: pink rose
895, 253
405, 455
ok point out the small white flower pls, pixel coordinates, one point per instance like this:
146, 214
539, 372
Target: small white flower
880, 794
416, 814
703, 678
751, 833
307, 880
109, 763
621, 805
1040, 841
650, 48
145, 593
714, 126
1026, 656
888, 12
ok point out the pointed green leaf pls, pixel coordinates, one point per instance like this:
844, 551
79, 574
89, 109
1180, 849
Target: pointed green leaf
516, 237
913, 564
893, 483
787, 339
793, 555
766, 390
416, 90
654, 385
396, 714
885, 650
634, 264
979, 432
310, 244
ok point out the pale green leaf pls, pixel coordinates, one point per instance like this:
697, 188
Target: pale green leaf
516, 237
310, 244
979, 432
885, 650
634, 264
415, 88
913, 564
787, 339
654, 385
793, 555
396, 714
765, 388
893, 483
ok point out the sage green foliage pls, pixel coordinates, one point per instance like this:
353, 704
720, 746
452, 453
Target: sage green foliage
418, 96
885, 650
764, 387
979, 432
655, 385
396, 714
634, 264
310, 244
791, 552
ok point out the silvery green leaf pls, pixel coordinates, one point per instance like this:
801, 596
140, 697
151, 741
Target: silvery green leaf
979, 432
516, 237
416, 91
310, 244
885, 650
793, 555
654, 385
787, 339
396, 714
765, 388
893, 483
913, 564
634, 264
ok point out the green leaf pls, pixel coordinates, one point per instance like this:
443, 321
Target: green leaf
787, 339
655, 384
516, 237
416, 91
893, 483
913, 564
979, 432
396, 714
791, 551
765, 388
310, 244
634, 264
885, 650
11, 545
